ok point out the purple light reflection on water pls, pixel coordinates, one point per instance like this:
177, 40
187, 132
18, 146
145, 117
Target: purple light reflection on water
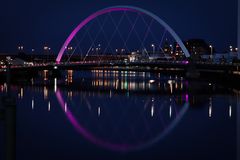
118, 147
186, 98
86, 134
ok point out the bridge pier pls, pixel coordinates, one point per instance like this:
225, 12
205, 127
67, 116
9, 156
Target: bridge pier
9, 118
8, 115
238, 126
192, 72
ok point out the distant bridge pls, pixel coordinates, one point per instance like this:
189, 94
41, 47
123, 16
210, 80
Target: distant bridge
176, 66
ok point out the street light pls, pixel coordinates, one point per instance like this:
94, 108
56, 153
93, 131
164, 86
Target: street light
70, 48
20, 48
171, 48
47, 50
211, 47
231, 48
97, 50
122, 50
153, 46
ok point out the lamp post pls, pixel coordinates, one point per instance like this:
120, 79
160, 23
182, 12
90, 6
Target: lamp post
98, 49
153, 46
20, 48
46, 51
231, 48
211, 47
171, 47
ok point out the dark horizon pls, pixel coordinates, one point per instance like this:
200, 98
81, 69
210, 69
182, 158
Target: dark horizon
39, 23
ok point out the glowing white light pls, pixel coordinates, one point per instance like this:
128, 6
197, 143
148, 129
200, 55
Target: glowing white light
210, 108
32, 81
210, 111
230, 111
32, 103
55, 67
99, 111
170, 82
21, 93
151, 81
70, 94
45, 92
55, 84
152, 99
110, 94
49, 106
5, 87
65, 107
152, 111
170, 111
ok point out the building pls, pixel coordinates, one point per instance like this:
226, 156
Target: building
199, 47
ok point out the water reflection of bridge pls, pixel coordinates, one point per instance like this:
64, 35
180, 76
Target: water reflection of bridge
100, 80
120, 83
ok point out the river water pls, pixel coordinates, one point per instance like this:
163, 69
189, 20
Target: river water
125, 115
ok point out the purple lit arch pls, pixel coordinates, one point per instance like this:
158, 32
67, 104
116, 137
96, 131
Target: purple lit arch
115, 9
123, 147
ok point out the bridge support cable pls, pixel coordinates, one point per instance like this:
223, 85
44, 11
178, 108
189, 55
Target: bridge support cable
131, 30
93, 40
75, 48
150, 30
114, 33
132, 27
137, 35
153, 36
78, 42
102, 30
161, 42
87, 54
142, 36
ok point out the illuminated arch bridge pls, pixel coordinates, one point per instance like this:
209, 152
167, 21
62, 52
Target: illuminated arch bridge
94, 38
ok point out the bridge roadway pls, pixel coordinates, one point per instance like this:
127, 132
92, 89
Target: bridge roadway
168, 66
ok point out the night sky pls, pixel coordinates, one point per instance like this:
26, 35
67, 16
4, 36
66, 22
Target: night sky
35, 23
